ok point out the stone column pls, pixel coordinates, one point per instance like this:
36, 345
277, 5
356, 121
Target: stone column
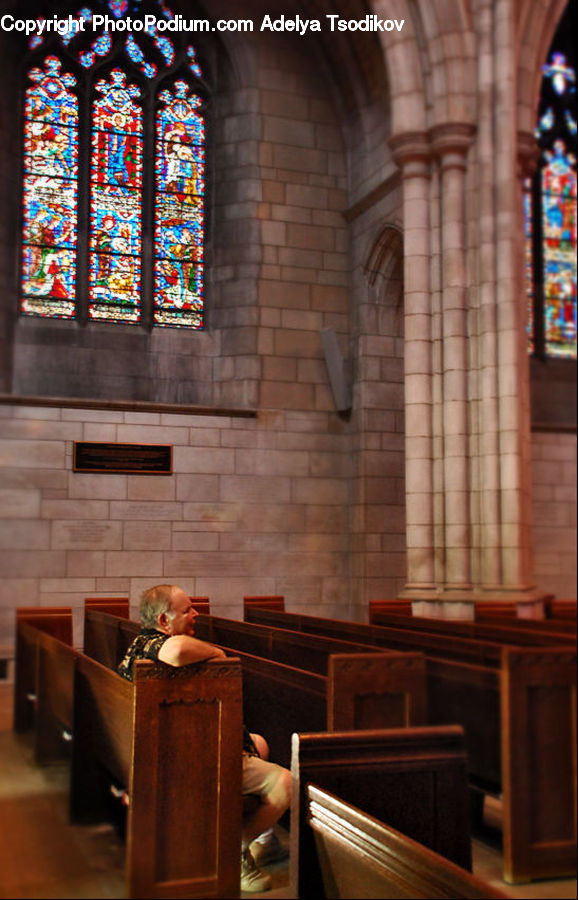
450, 143
488, 441
513, 367
411, 152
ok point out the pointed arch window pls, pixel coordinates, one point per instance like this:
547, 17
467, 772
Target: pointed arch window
114, 177
550, 211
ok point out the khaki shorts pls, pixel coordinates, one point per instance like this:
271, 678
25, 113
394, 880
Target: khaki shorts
259, 776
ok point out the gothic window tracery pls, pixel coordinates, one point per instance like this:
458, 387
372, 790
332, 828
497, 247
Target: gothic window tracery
114, 174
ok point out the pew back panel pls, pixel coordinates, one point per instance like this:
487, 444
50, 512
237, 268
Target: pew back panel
54, 620
539, 700
371, 690
293, 648
102, 641
359, 856
266, 601
445, 647
414, 779
115, 606
56, 663
502, 633
152, 736
201, 604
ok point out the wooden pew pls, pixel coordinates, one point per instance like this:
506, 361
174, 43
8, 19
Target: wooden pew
146, 738
55, 620
294, 648
116, 606
519, 721
561, 609
266, 601
549, 627
201, 604
509, 633
559, 613
413, 778
356, 855
341, 690
173, 738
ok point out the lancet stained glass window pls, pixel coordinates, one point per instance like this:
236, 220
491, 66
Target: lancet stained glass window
114, 150
550, 215
50, 192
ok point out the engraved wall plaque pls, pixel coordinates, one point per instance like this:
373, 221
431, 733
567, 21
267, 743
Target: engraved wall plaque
134, 459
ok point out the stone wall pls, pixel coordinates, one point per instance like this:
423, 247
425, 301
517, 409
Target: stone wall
255, 505
554, 508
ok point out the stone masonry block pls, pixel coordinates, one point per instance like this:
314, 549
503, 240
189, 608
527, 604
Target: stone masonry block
32, 454
34, 563
255, 489
24, 534
310, 237
282, 395
297, 343
284, 295
291, 132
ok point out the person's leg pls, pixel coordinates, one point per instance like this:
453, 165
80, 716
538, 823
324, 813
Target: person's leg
272, 784
266, 847
261, 745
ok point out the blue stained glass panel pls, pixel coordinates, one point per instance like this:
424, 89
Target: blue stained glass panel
49, 213
559, 227
528, 231
51, 150
48, 281
117, 158
50, 192
166, 48
118, 7
116, 203
115, 224
179, 226
116, 286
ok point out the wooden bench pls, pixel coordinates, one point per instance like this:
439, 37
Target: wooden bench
413, 778
116, 606
201, 604
353, 854
341, 690
144, 738
518, 713
510, 633
294, 648
266, 601
561, 609
55, 620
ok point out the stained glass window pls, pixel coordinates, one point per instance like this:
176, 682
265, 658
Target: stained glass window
116, 201
179, 232
114, 149
550, 215
50, 192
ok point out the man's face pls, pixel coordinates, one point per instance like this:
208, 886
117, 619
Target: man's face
183, 621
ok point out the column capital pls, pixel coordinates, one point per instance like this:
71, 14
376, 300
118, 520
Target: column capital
451, 141
412, 153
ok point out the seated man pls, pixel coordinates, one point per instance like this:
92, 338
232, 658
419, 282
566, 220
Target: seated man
167, 617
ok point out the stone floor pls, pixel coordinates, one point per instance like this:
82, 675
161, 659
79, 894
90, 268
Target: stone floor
43, 856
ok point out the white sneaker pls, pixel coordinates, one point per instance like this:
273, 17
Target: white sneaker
252, 878
267, 848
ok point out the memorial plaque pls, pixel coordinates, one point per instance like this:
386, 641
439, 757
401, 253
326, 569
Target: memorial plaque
134, 459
